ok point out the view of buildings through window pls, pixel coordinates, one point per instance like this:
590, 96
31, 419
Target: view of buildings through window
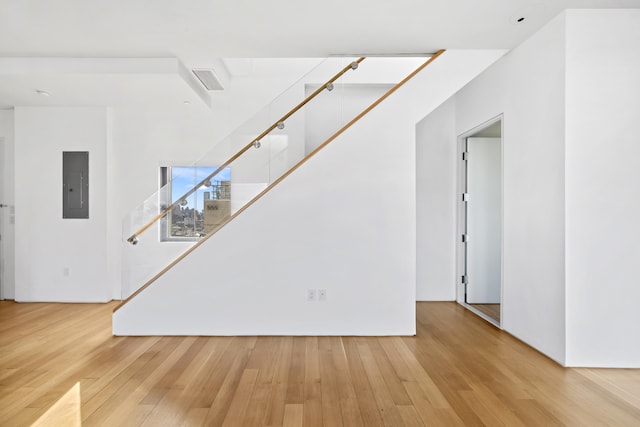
201, 211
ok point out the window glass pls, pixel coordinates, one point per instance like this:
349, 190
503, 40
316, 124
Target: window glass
201, 211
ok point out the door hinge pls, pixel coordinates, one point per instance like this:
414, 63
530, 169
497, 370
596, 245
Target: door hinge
465, 238
463, 280
465, 155
465, 197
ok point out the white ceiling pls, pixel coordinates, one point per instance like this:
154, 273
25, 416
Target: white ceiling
199, 32
116, 82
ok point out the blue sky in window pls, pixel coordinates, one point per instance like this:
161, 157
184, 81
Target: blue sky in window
183, 178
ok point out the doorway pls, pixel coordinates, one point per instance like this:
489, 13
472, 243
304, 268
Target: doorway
481, 220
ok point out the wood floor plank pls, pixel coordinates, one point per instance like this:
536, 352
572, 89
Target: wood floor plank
332, 413
617, 381
264, 359
367, 404
116, 377
175, 404
130, 398
188, 351
427, 412
293, 415
388, 410
392, 373
230, 375
238, 405
409, 416
349, 407
416, 372
312, 409
195, 417
457, 370
491, 409
208, 374
274, 412
295, 383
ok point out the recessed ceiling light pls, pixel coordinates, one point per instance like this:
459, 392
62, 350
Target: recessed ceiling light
527, 15
42, 92
186, 102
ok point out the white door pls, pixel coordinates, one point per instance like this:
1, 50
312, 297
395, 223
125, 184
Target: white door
484, 220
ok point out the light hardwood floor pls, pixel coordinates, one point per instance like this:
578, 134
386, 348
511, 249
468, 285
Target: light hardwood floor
491, 310
60, 360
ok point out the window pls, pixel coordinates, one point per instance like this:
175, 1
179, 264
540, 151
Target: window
200, 212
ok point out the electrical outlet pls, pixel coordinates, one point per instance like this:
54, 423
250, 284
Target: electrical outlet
311, 295
322, 295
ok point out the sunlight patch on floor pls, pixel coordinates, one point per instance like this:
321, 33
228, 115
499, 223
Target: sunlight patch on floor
65, 412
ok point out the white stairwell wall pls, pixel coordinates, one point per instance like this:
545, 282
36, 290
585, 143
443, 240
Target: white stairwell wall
345, 222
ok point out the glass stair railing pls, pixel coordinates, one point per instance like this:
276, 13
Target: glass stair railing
196, 200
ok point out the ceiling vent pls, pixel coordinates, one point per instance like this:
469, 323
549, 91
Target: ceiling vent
208, 79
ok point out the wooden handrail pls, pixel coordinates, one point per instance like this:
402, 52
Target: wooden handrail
280, 179
133, 239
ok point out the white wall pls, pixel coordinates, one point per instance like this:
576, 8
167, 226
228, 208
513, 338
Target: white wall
527, 86
570, 190
436, 140
324, 227
59, 259
603, 188
7, 197
144, 140
344, 222
138, 141
436, 204
330, 111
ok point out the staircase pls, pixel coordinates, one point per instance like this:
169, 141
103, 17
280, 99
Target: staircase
328, 248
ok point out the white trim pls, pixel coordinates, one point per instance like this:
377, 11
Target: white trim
460, 218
